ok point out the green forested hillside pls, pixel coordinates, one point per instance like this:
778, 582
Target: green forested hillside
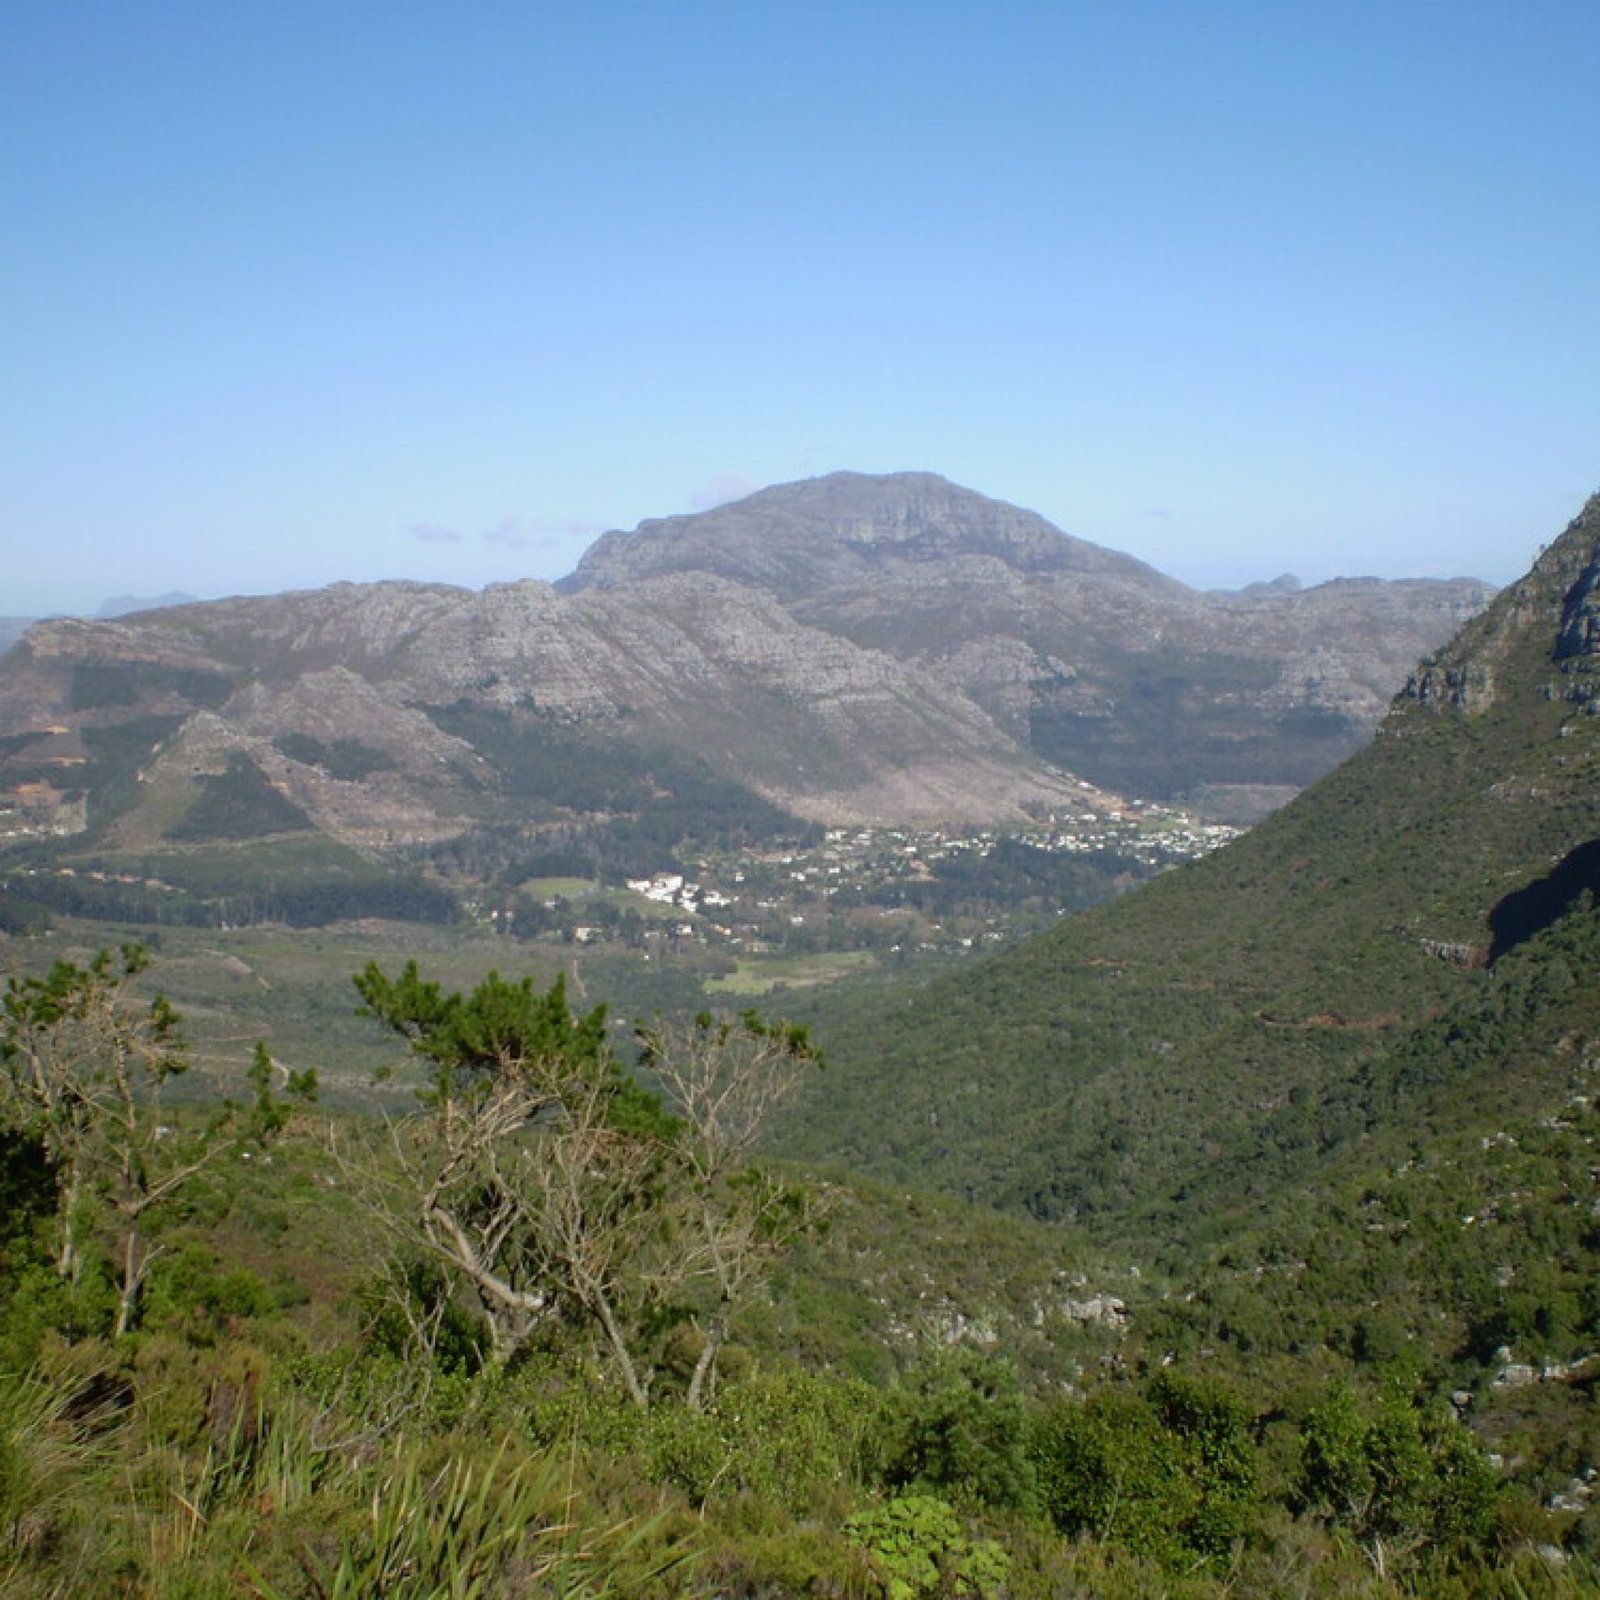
1225, 1018
1308, 1303
247, 1364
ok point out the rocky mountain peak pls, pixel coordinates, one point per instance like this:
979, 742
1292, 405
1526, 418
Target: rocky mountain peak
1550, 616
798, 539
1578, 641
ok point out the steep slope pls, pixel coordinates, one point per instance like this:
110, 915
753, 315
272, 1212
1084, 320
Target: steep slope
1199, 1040
1103, 665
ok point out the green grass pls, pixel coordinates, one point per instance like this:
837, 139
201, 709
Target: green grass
562, 888
759, 975
301, 878
291, 988
206, 867
650, 910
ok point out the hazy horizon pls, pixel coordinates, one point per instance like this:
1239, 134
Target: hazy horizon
111, 605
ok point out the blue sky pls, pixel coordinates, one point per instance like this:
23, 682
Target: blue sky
299, 292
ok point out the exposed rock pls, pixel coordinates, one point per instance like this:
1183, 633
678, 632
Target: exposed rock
825, 727
1565, 579
1456, 953
843, 531
1101, 1310
1515, 1375
1575, 1497
1108, 668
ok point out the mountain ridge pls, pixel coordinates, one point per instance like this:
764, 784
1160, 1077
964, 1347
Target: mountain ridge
841, 527
935, 657
1094, 660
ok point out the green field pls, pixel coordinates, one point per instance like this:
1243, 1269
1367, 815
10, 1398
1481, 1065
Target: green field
763, 975
290, 987
559, 888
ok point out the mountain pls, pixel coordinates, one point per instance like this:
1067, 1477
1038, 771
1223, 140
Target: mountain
13, 628
849, 530
852, 649
122, 605
387, 718
1202, 1043
1097, 662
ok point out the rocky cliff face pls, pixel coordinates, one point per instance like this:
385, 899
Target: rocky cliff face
1578, 644
1564, 582
851, 649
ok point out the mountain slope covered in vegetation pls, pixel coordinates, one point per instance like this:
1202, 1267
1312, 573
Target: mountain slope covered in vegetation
1208, 1034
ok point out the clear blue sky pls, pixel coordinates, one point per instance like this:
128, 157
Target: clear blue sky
297, 292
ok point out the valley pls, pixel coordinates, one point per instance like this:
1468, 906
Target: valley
1105, 1197
799, 801
989, 720
862, 904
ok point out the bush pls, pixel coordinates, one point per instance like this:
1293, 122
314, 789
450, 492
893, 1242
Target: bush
919, 1546
959, 1426
1395, 1477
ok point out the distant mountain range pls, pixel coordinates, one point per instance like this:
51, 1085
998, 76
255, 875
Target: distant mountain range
1090, 659
13, 628
847, 649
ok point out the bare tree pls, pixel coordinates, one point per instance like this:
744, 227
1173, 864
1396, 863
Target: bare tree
525, 1171
451, 1183
725, 1078
551, 1185
85, 1062
603, 1200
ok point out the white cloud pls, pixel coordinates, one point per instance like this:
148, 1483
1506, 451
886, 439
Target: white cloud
718, 491
535, 533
